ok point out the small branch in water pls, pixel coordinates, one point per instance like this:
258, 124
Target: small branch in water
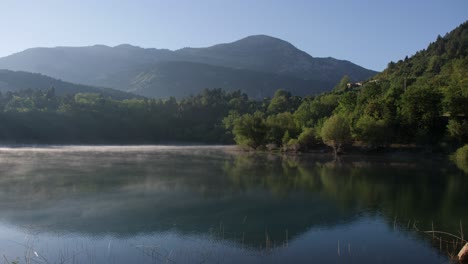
6, 259
461, 230
266, 241
243, 235
445, 233
339, 248
433, 234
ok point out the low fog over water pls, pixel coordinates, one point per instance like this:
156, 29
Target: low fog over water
123, 204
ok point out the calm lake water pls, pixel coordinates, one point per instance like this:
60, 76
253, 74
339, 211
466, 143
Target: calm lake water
154, 204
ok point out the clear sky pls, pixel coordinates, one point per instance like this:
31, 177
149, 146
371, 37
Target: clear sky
367, 32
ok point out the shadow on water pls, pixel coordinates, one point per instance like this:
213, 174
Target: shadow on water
251, 200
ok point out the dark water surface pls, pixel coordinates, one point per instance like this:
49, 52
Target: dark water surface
155, 204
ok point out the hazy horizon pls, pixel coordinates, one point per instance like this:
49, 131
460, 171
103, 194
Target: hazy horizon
363, 32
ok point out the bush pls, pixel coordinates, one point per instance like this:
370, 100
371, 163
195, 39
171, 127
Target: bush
250, 130
373, 132
292, 146
279, 125
336, 132
458, 130
307, 138
461, 158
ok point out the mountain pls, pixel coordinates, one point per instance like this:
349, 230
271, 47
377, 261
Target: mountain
253, 64
269, 54
180, 79
17, 81
88, 65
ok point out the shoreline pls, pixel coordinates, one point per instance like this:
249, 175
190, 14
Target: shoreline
319, 149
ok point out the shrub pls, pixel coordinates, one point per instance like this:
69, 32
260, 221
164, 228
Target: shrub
373, 132
336, 132
307, 138
292, 146
458, 130
461, 158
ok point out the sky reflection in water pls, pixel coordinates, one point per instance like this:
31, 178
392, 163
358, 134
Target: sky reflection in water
146, 204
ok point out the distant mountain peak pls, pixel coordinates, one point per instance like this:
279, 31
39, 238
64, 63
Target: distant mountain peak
261, 37
126, 46
94, 46
250, 42
261, 40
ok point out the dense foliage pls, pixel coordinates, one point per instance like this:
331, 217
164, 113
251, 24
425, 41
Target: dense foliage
44, 117
461, 158
421, 100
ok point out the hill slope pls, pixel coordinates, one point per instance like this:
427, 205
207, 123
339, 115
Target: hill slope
181, 79
429, 62
422, 98
17, 81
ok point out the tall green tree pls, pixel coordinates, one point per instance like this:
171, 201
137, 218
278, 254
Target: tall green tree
342, 85
279, 125
420, 110
335, 133
250, 130
282, 102
372, 131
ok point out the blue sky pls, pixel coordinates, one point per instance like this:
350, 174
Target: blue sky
367, 32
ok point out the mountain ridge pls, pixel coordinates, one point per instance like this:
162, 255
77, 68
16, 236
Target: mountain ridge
96, 65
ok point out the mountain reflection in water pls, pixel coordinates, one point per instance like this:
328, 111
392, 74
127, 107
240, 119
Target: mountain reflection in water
214, 204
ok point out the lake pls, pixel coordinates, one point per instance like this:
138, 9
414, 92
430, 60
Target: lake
198, 204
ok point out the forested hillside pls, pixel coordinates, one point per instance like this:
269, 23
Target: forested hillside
420, 100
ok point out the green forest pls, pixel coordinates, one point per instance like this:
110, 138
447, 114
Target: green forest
42, 116
420, 101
